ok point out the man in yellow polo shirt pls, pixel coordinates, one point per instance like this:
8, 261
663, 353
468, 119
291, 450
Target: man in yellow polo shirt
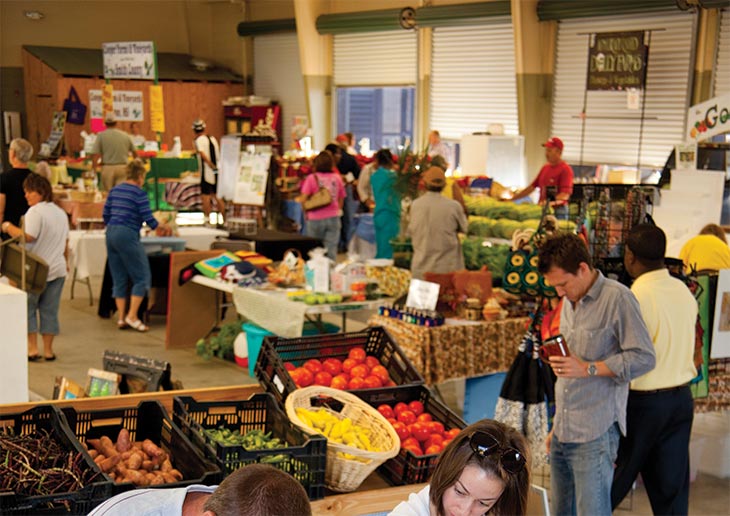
660, 408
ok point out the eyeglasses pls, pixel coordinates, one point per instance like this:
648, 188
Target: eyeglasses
484, 445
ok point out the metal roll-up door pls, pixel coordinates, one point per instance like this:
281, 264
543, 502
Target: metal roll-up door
612, 129
722, 69
473, 80
277, 74
375, 59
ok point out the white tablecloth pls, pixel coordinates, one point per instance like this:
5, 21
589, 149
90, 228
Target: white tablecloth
87, 249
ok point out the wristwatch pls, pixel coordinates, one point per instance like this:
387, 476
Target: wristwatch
592, 369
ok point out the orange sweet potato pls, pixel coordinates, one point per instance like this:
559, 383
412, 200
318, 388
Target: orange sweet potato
123, 442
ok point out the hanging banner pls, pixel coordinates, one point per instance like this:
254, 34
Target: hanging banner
709, 118
107, 101
617, 61
157, 109
129, 60
127, 105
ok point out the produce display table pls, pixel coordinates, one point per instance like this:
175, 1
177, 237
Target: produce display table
166, 168
457, 349
79, 210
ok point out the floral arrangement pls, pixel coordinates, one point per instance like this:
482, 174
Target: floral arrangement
410, 166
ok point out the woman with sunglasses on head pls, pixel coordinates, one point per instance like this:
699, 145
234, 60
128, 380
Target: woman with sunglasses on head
484, 470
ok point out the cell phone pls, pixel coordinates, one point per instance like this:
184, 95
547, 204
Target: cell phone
554, 347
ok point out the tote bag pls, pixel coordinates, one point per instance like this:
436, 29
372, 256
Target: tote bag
318, 199
74, 108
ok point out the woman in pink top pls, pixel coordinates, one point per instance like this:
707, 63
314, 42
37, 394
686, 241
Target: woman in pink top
324, 223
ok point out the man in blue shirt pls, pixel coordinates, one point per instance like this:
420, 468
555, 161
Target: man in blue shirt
609, 346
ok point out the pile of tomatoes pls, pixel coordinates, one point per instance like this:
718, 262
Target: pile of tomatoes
417, 430
357, 371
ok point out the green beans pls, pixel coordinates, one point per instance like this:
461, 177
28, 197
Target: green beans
252, 440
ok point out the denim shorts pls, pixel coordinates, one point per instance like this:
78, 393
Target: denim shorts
45, 306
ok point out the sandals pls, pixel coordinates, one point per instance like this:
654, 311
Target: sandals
137, 325
122, 324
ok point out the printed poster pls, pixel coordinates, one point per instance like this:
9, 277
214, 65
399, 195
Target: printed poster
720, 345
617, 61
253, 174
157, 109
129, 60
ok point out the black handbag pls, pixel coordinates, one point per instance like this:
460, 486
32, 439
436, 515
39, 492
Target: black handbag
75, 109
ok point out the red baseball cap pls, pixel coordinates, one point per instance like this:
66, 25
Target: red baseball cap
554, 142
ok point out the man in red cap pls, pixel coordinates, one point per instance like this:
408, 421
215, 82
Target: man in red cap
555, 172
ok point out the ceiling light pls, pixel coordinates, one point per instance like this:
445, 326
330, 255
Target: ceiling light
34, 15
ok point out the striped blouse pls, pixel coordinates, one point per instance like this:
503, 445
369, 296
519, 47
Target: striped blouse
128, 205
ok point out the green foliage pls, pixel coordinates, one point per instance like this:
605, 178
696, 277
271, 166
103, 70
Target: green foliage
478, 252
221, 344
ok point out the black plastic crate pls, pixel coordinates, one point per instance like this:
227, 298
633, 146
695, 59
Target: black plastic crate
375, 341
406, 467
148, 420
306, 457
48, 418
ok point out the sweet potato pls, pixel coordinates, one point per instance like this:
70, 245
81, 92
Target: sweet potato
158, 480
99, 457
107, 446
123, 442
107, 464
93, 453
96, 444
136, 477
135, 461
151, 448
175, 473
169, 479
166, 465
147, 465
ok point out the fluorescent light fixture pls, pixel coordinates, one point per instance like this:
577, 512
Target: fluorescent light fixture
34, 15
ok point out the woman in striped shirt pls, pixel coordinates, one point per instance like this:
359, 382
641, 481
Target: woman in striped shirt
126, 209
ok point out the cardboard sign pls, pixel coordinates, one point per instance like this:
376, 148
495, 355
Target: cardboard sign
617, 61
129, 60
127, 105
423, 295
708, 118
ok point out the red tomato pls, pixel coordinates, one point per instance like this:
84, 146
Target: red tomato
386, 411
446, 442
323, 378
401, 430
433, 449
424, 418
381, 372
305, 377
313, 365
357, 354
373, 382
435, 439
392, 420
390, 383
340, 382
406, 416
360, 370
416, 407
348, 364
371, 361
295, 374
356, 383
436, 427
400, 407
411, 441
415, 450
450, 434
289, 366
332, 366
419, 431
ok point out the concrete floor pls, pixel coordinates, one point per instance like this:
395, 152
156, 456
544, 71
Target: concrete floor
84, 338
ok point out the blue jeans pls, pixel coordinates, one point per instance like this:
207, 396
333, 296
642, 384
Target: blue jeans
45, 306
127, 261
581, 475
327, 230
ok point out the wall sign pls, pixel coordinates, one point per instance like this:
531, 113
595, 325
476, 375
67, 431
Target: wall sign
253, 173
157, 109
127, 105
617, 61
129, 60
708, 118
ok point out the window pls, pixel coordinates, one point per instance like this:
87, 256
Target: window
383, 115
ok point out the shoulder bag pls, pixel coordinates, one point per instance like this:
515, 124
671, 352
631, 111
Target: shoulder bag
318, 199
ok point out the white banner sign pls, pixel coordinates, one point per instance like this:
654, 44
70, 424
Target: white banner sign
708, 118
129, 60
128, 105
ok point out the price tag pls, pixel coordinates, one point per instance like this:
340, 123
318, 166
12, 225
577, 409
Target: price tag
290, 260
632, 99
423, 295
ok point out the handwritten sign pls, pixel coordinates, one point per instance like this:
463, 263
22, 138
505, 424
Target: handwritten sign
617, 61
127, 105
157, 109
423, 295
129, 60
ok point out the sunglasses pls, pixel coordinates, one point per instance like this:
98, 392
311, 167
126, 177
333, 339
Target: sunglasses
484, 445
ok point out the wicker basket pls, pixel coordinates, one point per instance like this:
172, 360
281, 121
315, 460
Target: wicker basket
345, 474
